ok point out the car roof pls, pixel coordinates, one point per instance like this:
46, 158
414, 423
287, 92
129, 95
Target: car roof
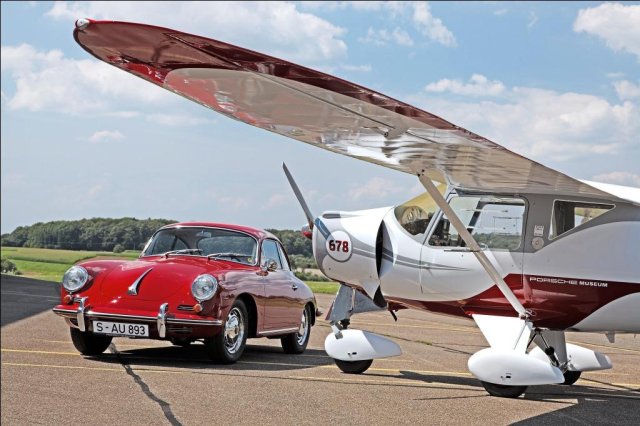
258, 233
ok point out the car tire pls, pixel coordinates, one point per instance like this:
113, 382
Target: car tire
353, 367
570, 377
88, 343
181, 341
227, 346
503, 391
296, 343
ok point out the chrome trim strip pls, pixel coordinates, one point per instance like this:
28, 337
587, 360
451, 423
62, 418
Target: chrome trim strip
80, 314
103, 315
133, 288
280, 331
161, 320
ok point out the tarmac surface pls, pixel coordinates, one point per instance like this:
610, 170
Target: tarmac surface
144, 382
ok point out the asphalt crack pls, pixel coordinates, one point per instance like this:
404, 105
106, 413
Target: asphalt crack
164, 405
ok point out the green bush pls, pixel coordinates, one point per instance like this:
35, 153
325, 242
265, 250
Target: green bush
308, 276
118, 248
8, 266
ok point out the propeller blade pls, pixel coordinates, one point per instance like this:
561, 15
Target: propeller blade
301, 200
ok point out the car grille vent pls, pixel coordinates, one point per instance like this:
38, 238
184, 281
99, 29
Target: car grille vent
185, 308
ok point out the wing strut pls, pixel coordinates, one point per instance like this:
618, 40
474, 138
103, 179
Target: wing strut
474, 247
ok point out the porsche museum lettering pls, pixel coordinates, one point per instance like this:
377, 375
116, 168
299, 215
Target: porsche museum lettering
568, 281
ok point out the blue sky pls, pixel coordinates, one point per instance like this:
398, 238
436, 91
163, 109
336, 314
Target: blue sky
557, 82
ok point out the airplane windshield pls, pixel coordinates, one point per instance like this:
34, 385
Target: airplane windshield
198, 241
414, 215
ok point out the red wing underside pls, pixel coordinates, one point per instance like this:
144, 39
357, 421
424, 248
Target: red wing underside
318, 109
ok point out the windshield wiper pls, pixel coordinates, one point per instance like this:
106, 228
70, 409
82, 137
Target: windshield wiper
183, 251
236, 256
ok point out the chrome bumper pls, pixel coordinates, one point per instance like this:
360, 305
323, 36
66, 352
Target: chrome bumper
81, 315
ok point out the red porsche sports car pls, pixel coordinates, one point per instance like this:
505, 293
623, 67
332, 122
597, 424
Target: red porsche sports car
220, 283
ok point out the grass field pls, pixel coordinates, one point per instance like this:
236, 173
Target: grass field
50, 264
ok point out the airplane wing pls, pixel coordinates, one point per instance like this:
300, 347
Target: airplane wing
318, 109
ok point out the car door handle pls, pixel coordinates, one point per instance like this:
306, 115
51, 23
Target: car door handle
294, 286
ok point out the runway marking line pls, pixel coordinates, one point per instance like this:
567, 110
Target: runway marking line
313, 378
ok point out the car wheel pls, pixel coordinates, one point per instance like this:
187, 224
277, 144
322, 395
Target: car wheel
353, 367
181, 341
88, 343
227, 346
570, 377
503, 391
296, 343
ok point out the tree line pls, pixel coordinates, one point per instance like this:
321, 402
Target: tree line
105, 234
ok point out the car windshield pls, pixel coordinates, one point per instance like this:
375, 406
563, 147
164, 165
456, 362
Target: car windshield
198, 241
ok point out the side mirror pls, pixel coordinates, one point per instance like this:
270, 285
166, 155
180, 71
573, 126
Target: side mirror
269, 265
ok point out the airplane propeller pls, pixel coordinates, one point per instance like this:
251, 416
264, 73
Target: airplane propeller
303, 203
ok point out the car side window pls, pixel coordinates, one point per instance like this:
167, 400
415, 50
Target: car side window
283, 258
270, 251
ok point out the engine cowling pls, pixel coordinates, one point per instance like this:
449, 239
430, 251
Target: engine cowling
347, 246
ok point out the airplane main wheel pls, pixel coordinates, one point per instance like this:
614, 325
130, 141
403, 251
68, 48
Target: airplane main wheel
353, 367
503, 391
570, 377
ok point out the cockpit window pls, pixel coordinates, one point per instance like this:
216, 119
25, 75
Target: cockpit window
494, 222
414, 215
571, 214
199, 241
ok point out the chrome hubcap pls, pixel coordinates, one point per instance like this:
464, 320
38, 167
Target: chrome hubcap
301, 335
234, 331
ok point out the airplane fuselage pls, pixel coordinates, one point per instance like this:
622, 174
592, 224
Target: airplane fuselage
573, 262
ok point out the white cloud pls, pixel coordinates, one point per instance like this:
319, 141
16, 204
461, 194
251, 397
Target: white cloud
384, 37
356, 68
376, 188
106, 136
627, 90
430, 26
543, 124
94, 191
277, 27
533, 20
617, 24
47, 81
235, 202
615, 74
478, 85
500, 12
277, 200
174, 119
619, 178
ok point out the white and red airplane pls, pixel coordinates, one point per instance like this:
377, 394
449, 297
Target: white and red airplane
525, 251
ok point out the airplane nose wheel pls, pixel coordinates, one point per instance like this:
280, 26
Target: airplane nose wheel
353, 367
570, 377
503, 391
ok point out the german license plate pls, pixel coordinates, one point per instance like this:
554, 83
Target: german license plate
121, 329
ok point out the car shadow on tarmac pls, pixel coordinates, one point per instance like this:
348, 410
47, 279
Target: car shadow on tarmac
265, 358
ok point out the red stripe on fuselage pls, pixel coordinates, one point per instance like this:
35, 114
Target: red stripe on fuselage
554, 302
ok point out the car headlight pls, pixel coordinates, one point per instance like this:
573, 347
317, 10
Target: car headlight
75, 278
204, 287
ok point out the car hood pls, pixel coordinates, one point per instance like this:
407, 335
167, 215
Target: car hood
156, 279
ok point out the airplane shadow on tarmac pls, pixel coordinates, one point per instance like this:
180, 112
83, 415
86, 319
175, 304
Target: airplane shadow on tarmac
585, 404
